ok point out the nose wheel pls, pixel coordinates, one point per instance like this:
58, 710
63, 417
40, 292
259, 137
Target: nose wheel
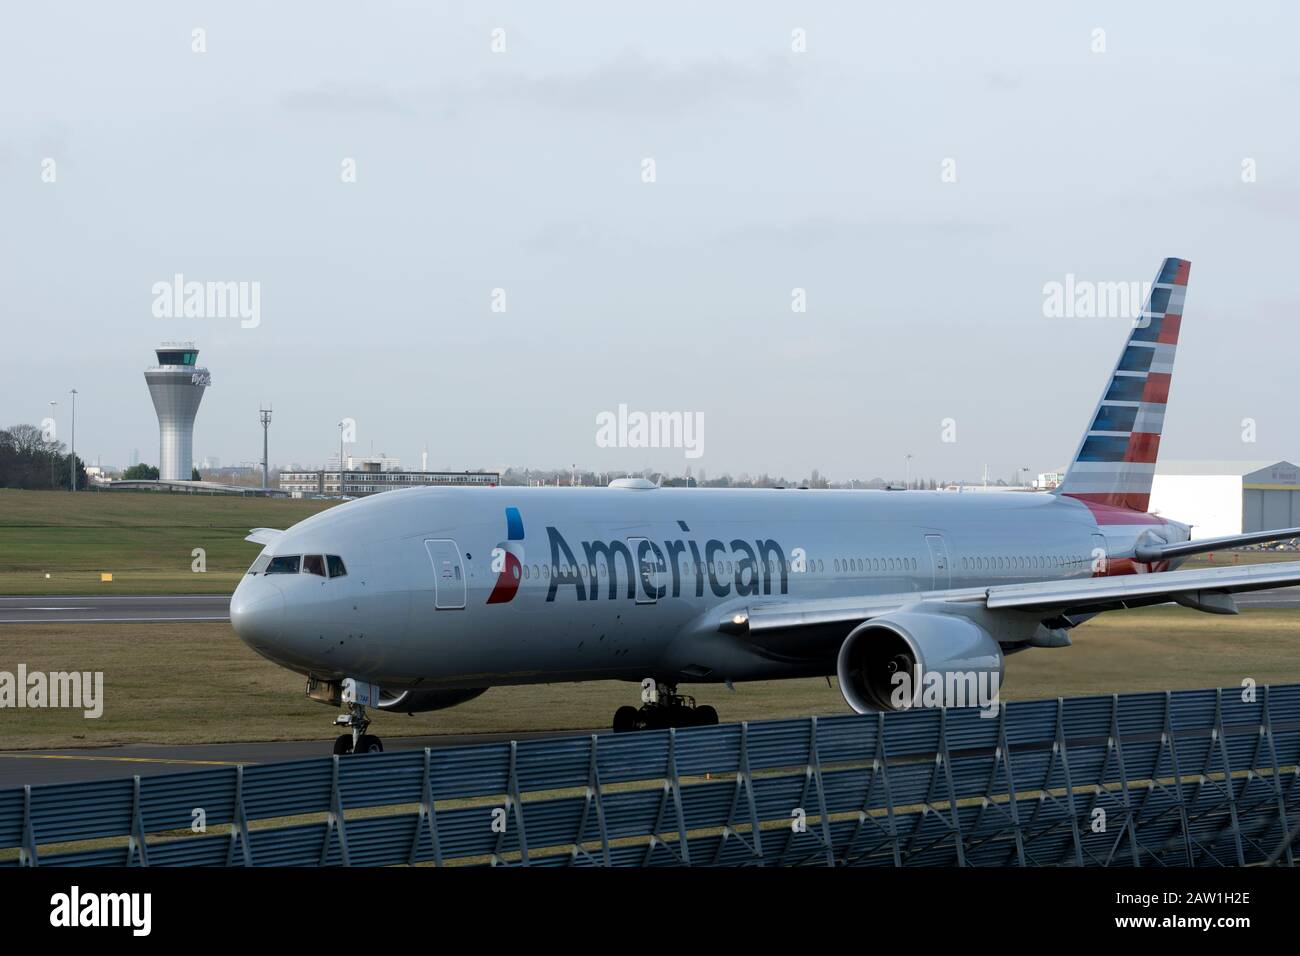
670, 709
356, 741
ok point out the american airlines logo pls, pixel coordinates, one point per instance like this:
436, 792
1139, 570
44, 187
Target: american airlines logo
619, 566
669, 568
508, 559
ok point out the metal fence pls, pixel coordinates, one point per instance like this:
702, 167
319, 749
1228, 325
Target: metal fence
1188, 778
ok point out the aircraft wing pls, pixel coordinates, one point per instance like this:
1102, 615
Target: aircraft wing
1207, 589
263, 536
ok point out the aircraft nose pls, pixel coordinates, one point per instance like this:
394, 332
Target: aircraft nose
257, 613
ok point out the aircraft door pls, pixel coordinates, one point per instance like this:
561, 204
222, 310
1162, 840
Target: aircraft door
650, 568
939, 561
1100, 558
448, 573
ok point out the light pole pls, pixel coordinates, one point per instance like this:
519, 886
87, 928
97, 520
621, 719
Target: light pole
342, 425
907, 482
72, 458
265, 415
53, 406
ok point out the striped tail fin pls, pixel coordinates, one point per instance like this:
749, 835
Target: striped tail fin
1116, 459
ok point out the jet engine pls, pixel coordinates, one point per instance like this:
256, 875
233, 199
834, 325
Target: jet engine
909, 657
419, 701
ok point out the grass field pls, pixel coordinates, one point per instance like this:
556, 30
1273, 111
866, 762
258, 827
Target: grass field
145, 539
189, 683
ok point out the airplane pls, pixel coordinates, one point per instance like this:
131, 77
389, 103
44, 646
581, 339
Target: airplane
421, 599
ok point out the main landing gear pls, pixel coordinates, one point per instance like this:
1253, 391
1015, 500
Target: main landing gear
356, 741
665, 709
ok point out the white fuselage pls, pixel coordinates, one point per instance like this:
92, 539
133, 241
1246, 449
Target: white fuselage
476, 587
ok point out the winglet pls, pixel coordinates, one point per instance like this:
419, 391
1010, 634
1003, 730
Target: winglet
263, 535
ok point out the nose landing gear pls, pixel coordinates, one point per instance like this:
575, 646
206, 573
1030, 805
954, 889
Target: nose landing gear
357, 741
663, 708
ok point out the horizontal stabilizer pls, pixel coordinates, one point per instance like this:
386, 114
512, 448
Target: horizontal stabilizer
1150, 553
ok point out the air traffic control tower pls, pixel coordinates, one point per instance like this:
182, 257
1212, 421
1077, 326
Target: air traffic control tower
176, 385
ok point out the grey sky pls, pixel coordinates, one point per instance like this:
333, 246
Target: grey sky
522, 171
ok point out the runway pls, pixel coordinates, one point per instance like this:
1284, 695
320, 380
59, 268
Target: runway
97, 609
18, 767
1274, 598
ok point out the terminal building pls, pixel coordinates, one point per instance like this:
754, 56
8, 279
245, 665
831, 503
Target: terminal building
1220, 498
369, 479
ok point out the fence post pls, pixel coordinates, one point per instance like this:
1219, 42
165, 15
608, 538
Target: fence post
1063, 747
593, 794
27, 855
676, 782
513, 800
1116, 742
136, 841
1266, 734
1229, 787
1167, 737
428, 813
335, 821
745, 783
239, 823
815, 769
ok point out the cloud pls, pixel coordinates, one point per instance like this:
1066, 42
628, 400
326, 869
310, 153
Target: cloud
357, 101
629, 85
633, 84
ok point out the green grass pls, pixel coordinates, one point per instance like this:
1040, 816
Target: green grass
191, 683
55, 542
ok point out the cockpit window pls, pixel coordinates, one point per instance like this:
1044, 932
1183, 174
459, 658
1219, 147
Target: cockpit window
284, 564
259, 564
337, 570
313, 564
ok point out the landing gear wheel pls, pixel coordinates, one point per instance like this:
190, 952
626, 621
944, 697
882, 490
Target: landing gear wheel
356, 741
667, 709
705, 716
624, 719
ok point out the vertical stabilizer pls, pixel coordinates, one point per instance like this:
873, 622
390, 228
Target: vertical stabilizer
1116, 459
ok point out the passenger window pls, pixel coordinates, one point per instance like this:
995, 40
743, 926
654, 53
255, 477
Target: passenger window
313, 564
285, 564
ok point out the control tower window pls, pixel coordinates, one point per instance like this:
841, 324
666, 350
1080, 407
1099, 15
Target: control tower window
337, 570
177, 357
285, 564
313, 564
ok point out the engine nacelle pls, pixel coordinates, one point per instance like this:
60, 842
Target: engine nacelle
947, 650
419, 701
